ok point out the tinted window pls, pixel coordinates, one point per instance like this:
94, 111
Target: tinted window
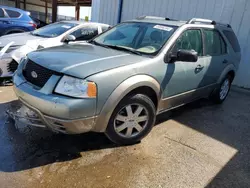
214, 44
1, 13
189, 40
54, 30
12, 14
85, 33
233, 40
146, 38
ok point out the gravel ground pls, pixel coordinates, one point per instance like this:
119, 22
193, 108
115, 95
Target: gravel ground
199, 145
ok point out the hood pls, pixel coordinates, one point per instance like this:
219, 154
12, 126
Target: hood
82, 60
18, 39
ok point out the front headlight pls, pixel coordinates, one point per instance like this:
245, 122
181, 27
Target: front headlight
75, 87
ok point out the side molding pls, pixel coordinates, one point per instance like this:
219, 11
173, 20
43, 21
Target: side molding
119, 93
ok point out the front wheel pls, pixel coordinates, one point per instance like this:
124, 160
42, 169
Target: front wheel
132, 120
221, 93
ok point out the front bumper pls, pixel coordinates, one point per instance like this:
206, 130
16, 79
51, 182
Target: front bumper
29, 115
56, 112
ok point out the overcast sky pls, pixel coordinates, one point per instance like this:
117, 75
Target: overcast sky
70, 11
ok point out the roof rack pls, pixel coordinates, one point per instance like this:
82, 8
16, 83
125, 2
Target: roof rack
153, 17
207, 21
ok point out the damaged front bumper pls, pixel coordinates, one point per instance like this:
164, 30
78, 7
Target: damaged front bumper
29, 115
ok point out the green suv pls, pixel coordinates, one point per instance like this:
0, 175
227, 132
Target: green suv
118, 82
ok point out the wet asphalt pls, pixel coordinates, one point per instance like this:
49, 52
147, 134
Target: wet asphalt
199, 145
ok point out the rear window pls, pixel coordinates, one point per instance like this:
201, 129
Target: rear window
13, 14
1, 13
233, 40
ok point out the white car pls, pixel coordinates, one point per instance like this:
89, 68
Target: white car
13, 47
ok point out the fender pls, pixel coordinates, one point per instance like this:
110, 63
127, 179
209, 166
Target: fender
119, 93
229, 68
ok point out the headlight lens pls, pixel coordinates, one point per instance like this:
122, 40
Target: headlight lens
75, 87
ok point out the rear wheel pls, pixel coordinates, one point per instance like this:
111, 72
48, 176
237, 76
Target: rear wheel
132, 120
221, 93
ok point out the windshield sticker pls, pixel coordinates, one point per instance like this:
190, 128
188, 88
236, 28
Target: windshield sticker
66, 26
162, 27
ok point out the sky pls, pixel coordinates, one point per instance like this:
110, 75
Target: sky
70, 11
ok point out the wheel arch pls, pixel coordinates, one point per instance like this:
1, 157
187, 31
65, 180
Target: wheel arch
231, 70
142, 84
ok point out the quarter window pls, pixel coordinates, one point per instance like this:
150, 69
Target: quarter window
13, 14
85, 33
1, 13
233, 40
190, 40
214, 43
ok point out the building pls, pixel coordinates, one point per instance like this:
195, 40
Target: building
46, 10
235, 12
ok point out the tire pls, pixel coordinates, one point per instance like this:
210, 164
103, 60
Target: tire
125, 127
218, 96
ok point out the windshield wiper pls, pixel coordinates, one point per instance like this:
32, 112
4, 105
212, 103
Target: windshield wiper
98, 44
125, 49
115, 47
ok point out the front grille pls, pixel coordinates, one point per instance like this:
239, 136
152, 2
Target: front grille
12, 66
37, 74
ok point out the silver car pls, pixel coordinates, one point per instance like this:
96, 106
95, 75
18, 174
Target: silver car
48, 36
118, 82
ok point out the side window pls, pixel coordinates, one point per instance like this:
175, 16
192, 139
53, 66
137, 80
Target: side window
214, 44
1, 13
13, 14
85, 33
231, 37
189, 40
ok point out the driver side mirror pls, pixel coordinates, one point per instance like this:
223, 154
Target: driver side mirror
183, 55
69, 38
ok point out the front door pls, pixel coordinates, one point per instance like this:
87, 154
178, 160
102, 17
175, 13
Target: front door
191, 74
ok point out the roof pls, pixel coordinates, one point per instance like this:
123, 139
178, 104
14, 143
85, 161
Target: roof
161, 21
178, 23
15, 9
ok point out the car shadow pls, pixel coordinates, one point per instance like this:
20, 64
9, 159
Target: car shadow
227, 123
23, 147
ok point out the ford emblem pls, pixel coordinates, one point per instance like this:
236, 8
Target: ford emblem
34, 74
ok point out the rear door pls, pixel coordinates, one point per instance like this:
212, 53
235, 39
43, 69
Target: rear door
215, 51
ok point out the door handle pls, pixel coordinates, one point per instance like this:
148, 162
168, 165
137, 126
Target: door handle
225, 61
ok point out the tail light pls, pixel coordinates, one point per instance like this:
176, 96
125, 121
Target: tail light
33, 24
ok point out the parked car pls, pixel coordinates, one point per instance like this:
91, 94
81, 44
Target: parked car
48, 36
13, 20
118, 82
39, 22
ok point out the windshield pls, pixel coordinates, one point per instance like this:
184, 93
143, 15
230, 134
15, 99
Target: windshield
54, 30
146, 38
